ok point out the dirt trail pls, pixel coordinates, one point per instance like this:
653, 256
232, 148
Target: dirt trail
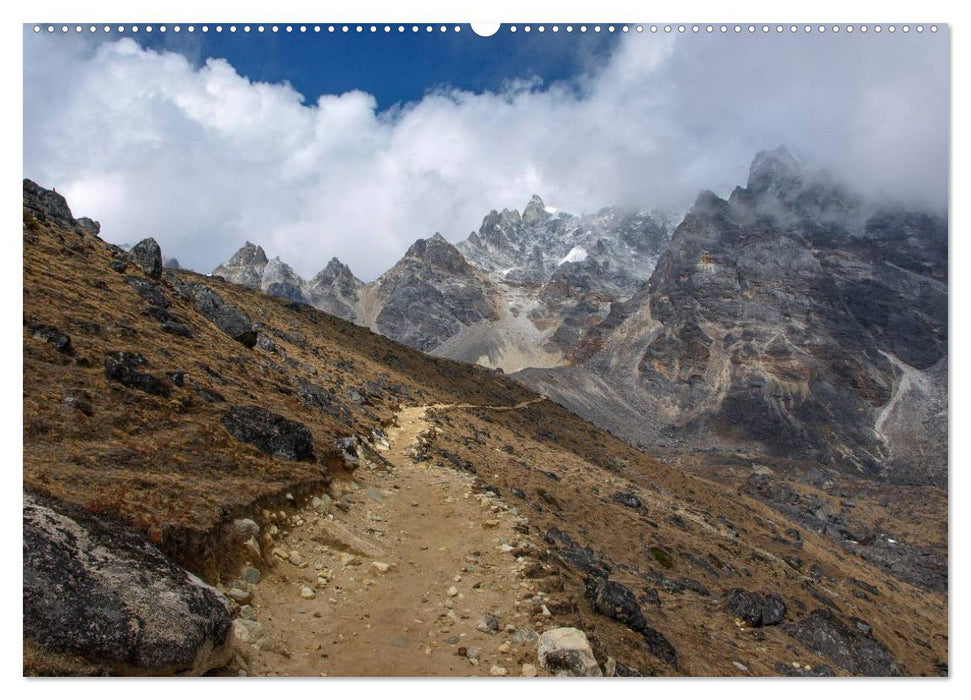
450, 559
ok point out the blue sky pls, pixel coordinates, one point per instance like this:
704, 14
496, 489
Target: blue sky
394, 67
355, 145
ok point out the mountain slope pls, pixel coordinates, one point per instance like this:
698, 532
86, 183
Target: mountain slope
242, 438
783, 321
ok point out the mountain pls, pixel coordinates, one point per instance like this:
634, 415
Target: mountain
521, 292
794, 319
216, 480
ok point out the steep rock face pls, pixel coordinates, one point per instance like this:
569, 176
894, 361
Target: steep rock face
431, 294
785, 320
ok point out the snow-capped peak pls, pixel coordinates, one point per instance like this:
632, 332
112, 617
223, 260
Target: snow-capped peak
577, 254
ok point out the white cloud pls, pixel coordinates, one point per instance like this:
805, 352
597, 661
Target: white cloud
204, 159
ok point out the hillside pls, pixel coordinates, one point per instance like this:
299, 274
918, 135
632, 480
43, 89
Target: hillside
301, 496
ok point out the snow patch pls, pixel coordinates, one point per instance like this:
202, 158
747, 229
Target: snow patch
577, 254
551, 210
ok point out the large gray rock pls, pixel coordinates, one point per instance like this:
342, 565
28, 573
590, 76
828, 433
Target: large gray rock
230, 320
97, 589
147, 257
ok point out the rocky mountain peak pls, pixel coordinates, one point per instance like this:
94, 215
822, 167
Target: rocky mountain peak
535, 212
438, 252
775, 171
249, 254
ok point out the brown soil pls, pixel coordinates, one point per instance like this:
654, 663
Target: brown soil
428, 525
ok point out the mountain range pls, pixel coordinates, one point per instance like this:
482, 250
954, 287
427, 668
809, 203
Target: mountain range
794, 318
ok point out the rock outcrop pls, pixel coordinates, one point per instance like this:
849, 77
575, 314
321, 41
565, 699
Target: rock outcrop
270, 432
854, 649
96, 589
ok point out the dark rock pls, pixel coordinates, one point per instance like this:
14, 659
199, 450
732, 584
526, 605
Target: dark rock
822, 633
627, 499
148, 290
583, 558
755, 608
118, 266
123, 367
518, 493
270, 432
177, 329
147, 257
99, 590
616, 601
457, 462
230, 320
50, 334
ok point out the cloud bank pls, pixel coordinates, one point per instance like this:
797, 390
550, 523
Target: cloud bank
204, 159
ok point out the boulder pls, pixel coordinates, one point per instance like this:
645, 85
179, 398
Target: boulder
123, 367
230, 320
755, 608
97, 589
850, 648
567, 651
270, 432
89, 226
147, 257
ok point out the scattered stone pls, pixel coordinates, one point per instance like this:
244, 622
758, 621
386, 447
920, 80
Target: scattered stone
295, 558
567, 649
348, 559
740, 666
529, 671
244, 528
525, 635
452, 591
498, 671
488, 623
270, 432
491, 523
380, 566
617, 602
240, 595
307, 593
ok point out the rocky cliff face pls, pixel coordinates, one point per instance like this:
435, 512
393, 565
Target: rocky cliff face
794, 319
